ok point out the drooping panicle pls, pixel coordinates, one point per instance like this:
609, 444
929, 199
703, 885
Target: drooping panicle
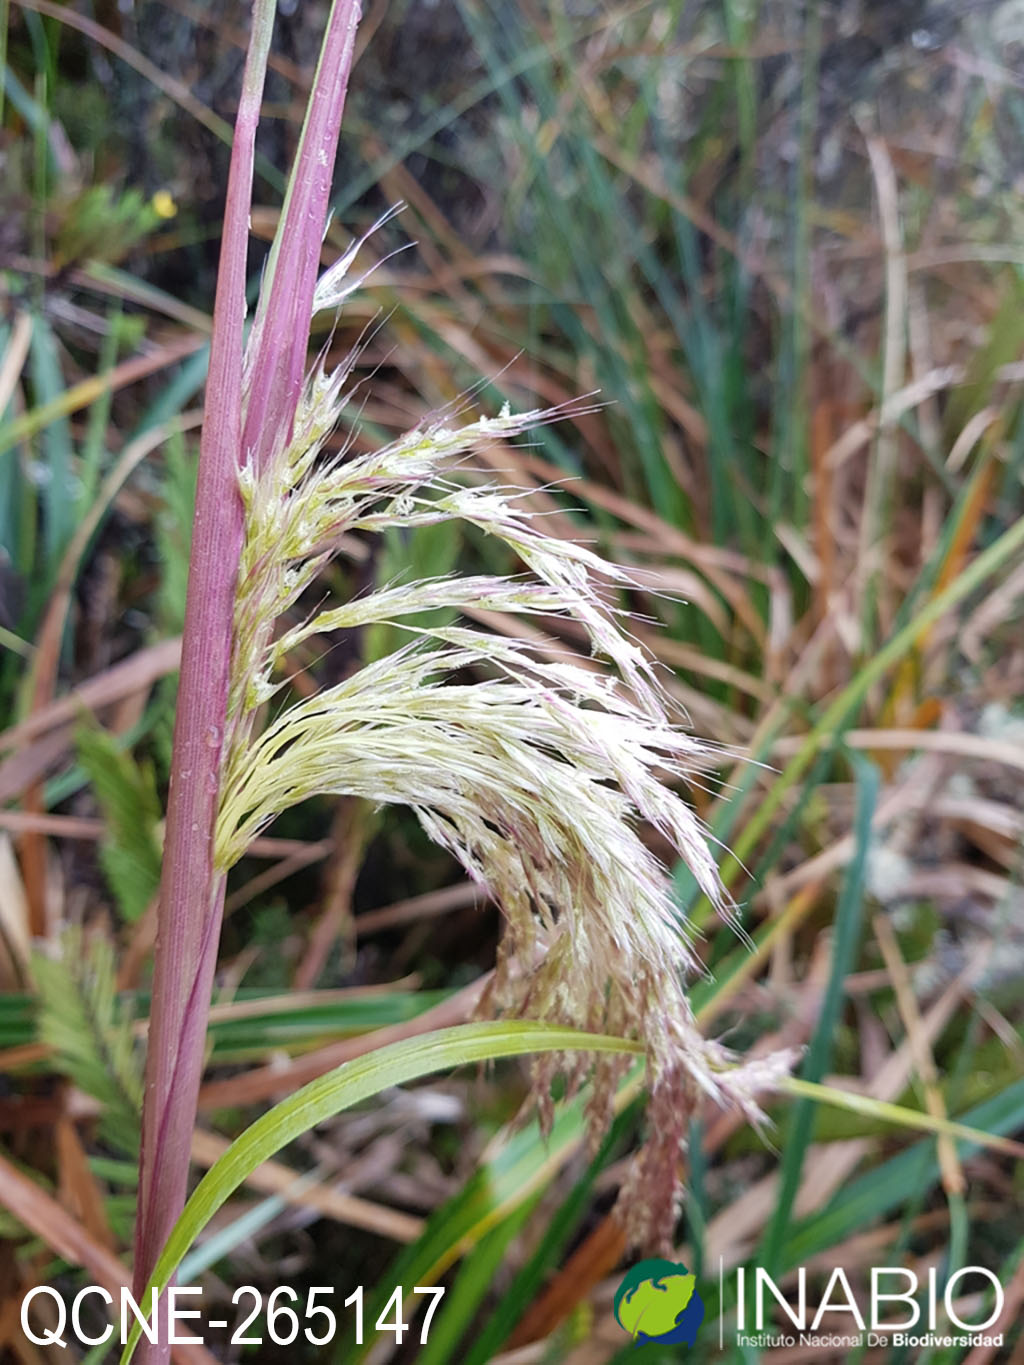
537, 776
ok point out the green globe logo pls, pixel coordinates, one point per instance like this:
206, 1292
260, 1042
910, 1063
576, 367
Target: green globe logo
658, 1301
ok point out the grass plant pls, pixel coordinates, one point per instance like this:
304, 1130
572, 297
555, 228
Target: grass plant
791, 273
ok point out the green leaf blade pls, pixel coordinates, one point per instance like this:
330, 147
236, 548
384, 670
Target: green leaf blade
344, 1087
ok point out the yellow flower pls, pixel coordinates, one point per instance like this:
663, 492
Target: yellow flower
163, 204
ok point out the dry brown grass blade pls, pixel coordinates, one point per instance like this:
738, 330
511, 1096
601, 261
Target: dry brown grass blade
48, 643
273, 1177
44, 1216
87, 391
417, 908
667, 539
949, 1163
294, 861
684, 584
882, 465
995, 611
913, 794
94, 280
726, 570
140, 670
84, 827
953, 880
77, 1186
12, 1338
832, 1163
44, 669
46, 738
60, 826
693, 659
138, 948
352, 827
976, 508
15, 929
952, 742
297, 1000
14, 357
401, 187
991, 825
829, 415
26, 1054
783, 925
598, 1254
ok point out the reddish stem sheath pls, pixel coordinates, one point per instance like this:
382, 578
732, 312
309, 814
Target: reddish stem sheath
192, 890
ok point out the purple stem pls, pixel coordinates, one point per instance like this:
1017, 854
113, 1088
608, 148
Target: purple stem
283, 324
192, 890
191, 893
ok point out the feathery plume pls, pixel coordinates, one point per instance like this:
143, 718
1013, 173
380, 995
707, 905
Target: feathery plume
536, 776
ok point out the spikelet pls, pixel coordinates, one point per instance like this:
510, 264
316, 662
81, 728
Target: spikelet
535, 777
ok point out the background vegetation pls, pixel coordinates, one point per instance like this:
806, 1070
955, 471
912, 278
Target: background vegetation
784, 242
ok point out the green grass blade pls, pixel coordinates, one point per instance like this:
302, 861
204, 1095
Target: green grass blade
476, 1276
844, 950
348, 1085
529, 1281
256, 1022
859, 1204
55, 441
886, 1112
517, 1164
